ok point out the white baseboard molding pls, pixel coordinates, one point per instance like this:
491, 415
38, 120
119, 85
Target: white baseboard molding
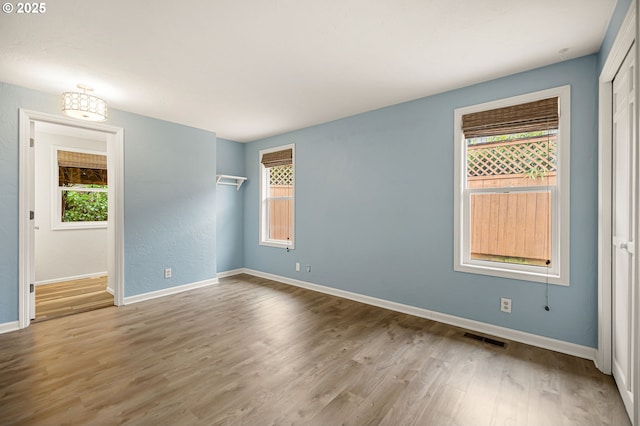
494, 330
110, 291
231, 272
9, 326
74, 277
168, 291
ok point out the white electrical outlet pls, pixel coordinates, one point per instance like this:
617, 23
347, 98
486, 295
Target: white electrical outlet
297, 266
167, 273
505, 305
308, 268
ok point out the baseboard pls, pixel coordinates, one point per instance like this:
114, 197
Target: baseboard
494, 330
9, 326
74, 277
232, 272
110, 291
168, 291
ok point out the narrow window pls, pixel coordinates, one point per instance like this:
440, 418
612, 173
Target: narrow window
277, 174
81, 190
512, 174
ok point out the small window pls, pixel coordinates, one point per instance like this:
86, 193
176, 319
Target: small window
277, 176
512, 171
81, 190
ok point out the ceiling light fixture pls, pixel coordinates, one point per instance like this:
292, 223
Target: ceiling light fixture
83, 105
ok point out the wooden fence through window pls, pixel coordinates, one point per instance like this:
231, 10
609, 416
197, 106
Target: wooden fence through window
512, 226
280, 212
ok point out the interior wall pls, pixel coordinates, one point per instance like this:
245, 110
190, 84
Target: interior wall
230, 207
374, 209
619, 13
64, 253
169, 198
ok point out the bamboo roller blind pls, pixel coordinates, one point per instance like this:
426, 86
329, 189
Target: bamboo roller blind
277, 158
82, 160
529, 117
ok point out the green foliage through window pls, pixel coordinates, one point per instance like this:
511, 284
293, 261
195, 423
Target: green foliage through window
84, 206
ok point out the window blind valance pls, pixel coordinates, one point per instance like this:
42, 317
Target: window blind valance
527, 117
82, 160
277, 158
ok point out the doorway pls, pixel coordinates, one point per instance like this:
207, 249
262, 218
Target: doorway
71, 221
113, 141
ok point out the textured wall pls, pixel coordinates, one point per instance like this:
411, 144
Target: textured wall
230, 207
622, 7
374, 209
169, 197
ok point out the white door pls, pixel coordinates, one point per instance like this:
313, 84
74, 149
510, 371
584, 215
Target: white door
623, 194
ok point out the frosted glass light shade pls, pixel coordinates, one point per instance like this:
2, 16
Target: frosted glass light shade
84, 106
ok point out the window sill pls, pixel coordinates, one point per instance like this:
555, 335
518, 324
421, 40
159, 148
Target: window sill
277, 244
514, 274
79, 225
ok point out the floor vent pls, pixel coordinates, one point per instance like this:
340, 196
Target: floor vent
486, 340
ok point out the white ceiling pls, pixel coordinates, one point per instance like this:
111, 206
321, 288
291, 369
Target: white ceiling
248, 69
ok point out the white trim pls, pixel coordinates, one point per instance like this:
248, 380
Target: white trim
169, 291
262, 217
110, 291
7, 327
560, 201
231, 273
505, 333
71, 278
115, 165
623, 42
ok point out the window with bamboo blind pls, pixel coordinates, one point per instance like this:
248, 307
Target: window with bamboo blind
277, 176
512, 178
82, 189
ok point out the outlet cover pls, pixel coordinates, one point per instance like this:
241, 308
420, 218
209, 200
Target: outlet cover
167, 273
505, 305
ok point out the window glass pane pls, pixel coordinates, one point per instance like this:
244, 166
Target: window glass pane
84, 206
280, 202
280, 213
512, 227
513, 160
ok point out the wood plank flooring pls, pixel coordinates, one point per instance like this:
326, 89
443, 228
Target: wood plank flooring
251, 351
71, 297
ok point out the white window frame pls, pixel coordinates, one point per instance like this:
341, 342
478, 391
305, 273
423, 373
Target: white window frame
56, 194
264, 214
558, 273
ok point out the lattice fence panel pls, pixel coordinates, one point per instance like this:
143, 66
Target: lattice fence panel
281, 175
515, 157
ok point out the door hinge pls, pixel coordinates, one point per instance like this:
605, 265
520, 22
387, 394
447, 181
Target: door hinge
31, 288
32, 142
32, 215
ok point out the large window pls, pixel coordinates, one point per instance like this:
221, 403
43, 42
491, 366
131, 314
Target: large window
81, 190
512, 180
277, 176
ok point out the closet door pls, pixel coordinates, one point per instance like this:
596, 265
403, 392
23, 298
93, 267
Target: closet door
624, 194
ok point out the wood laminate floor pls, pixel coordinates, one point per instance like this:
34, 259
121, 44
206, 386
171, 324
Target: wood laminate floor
71, 297
251, 351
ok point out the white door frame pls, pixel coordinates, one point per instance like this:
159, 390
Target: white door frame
623, 42
115, 252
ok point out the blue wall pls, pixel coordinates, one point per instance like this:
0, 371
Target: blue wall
230, 207
619, 13
169, 195
374, 209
